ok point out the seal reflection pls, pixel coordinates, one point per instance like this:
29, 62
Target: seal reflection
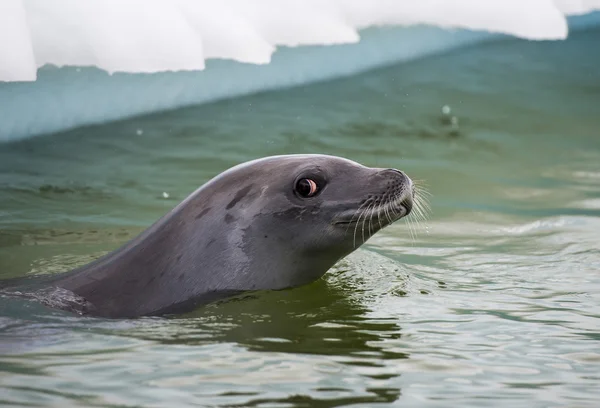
321, 319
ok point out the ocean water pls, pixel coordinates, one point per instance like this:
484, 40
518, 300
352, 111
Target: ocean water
494, 301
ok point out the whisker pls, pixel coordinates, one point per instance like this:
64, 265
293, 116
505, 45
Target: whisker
422, 189
358, 222
363, 224
370, 215
379, 214
421, 209
375, 205
386, 209
422, 206
354, 215
411, 229
376, 213
420, 183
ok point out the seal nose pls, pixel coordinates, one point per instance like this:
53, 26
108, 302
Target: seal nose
402, 175
408, 188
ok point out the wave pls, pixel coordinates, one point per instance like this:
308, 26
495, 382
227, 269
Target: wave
68, 63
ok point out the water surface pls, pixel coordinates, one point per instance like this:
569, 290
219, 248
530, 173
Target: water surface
495, 301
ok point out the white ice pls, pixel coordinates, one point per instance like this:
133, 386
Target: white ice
179, 35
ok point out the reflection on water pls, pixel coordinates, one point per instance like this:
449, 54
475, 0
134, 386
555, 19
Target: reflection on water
494, 302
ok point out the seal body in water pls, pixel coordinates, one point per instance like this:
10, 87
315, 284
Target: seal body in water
272, 223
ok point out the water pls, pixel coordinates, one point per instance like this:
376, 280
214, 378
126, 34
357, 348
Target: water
494, 302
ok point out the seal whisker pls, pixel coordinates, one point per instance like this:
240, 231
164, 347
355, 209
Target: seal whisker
420, 211
364, 217
352, 219
386, 212
371, 218
422, 191
362, 227
414, 227
379, 214
422, 205
358, 222
364, 221
421, 184
392, 205
358, 211
417, 214
410, 229
423, 194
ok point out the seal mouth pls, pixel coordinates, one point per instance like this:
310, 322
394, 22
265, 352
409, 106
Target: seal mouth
376, 213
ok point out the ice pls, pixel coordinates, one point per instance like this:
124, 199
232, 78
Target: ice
166, 35
244, 43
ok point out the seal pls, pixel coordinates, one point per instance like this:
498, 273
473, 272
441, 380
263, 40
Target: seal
272, 223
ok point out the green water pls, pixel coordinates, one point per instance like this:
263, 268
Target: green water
495, 301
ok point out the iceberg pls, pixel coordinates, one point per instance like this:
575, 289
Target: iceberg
67, 63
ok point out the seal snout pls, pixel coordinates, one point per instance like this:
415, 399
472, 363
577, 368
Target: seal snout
387, 196
402, 192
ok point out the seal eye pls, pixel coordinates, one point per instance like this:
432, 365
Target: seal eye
306, 188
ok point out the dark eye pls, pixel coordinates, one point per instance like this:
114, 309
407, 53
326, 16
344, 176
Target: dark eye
306, 187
